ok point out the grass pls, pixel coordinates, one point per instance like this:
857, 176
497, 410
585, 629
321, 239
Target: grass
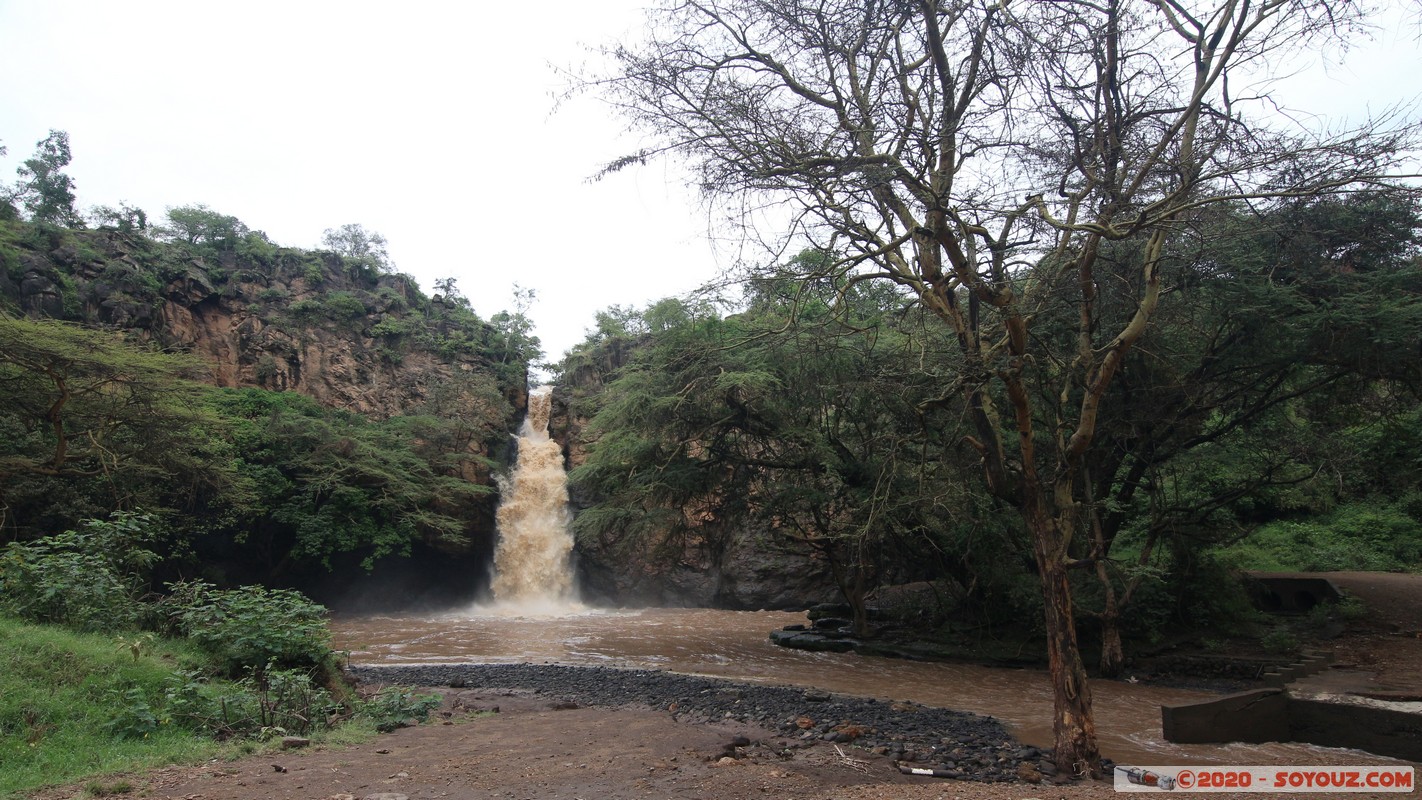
59, 693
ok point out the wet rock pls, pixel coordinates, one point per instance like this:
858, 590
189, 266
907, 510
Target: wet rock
814, 641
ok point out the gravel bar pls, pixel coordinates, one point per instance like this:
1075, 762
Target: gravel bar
957, 744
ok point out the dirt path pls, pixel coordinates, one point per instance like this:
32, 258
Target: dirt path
1386, 645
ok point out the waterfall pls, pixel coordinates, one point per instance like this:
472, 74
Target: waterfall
532, 562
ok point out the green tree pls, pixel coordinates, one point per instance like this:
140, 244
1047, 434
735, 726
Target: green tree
200, 226
513, 343
789, 418
365, 248
125, 218
1222, 412
92, 424
44, 190
985, 158
86, 403
325, 483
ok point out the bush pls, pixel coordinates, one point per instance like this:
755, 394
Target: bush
90, 579
395, 706
1280, 642
1357, 536
275, 703
252, 629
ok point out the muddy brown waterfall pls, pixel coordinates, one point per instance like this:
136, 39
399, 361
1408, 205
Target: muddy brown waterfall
532, 563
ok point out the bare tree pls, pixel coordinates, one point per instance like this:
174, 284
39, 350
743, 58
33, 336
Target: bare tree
982, 154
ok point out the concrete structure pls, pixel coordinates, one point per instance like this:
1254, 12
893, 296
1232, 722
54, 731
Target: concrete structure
1272, 715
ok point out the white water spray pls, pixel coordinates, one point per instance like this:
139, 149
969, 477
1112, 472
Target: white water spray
533, 570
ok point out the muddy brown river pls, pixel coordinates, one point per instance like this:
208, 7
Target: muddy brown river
735, 645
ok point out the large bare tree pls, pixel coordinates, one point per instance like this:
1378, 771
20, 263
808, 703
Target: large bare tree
985, 155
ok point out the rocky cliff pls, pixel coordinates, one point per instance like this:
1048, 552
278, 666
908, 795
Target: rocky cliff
284, 320
742, 568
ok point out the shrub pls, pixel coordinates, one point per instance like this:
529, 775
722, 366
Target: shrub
90, 579
343, 306
275, 702
1280, 641
252, 629
395, 706
1363, 535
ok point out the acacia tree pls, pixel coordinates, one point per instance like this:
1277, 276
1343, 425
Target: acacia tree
46, 192
353, 241
981, 154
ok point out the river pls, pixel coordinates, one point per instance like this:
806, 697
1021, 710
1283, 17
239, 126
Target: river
735, 644
534, 620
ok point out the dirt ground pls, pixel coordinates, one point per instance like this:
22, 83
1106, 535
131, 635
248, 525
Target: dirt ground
538, 750
1388, 642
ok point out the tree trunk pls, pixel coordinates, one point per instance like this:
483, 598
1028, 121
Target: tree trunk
1073, 727
1113, 656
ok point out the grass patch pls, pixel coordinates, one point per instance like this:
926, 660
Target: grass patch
61, 694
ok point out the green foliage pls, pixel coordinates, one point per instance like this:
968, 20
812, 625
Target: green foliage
90, 579
364, 252
135, 718
1355, 536
395, 706
200, 226
125, 218
273, 703
83, 401
793, 416
1280, 641
73, 705
343, 306
326, 482
43, 189
252, 629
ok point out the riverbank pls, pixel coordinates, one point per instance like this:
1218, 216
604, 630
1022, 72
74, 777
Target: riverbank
957, 744
526, 744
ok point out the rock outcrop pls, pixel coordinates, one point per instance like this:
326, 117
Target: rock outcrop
741, 568
290, 321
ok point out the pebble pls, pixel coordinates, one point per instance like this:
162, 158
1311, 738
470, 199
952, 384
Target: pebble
980, 747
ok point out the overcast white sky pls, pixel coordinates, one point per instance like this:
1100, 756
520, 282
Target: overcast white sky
431, 123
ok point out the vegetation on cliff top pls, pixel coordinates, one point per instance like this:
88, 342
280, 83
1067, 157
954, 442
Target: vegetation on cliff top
110, 339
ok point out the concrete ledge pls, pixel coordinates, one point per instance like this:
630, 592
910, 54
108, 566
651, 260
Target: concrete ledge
1261, 715
1384, 731
1291, 594
1271, 715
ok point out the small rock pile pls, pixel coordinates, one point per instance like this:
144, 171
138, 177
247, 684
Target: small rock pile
953, 743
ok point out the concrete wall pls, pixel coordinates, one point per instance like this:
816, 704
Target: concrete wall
1258, 716
1271, 715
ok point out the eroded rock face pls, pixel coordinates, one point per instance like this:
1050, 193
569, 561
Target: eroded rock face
743, 569
751, 573
245, 319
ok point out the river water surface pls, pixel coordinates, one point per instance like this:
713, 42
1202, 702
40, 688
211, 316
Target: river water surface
735, 644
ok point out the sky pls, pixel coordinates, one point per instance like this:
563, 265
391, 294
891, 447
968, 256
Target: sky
432, 123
